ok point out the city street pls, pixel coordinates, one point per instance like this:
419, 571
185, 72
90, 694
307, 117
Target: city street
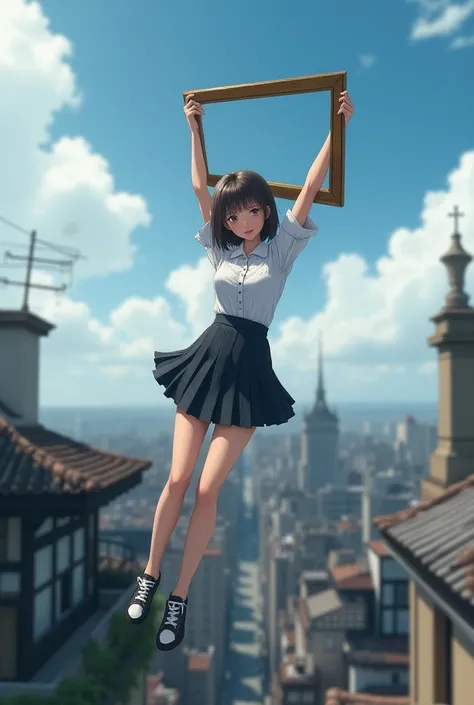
245, 667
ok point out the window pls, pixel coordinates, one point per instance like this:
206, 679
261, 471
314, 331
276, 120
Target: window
395, 678
45, 528
308, 697
78, 584
387, 623
388, 594
63, 558
43, 566
293, 697
402, 625
79, 544
42, 612
12, 539
9, 583
63, 521
64, 592
401, 594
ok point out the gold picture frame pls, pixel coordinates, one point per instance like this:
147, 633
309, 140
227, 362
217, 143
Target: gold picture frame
334, 82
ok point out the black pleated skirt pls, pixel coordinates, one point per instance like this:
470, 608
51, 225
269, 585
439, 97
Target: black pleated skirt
226, 376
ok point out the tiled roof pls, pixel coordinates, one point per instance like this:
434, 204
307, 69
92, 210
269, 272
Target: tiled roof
352, 576
198, 662
379, 548
439, 534
34, 460
335, 696
348, 525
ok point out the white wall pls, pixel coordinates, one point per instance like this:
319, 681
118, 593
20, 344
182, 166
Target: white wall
375, 569
19, 358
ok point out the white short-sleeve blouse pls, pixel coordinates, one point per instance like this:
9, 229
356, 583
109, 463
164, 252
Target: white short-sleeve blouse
251, 287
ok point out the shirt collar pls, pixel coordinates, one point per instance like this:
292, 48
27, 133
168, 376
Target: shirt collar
260, 251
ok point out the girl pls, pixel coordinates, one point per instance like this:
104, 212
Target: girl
225, 377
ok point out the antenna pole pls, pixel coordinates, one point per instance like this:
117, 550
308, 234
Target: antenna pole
29, 267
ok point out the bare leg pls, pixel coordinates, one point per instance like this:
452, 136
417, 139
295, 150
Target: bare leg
188, 437
227, 444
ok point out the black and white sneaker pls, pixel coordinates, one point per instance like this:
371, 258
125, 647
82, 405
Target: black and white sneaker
139, 606
171, 631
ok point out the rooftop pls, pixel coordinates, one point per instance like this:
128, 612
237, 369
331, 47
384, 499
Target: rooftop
198, 662
353, 576
314, 574
335, 696
377, 651
322, 603
379, 548
438, 537
35, 460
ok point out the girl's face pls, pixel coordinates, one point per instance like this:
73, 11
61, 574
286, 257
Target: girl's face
247, 223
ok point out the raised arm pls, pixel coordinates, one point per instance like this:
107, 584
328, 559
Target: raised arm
319, 168
198, 164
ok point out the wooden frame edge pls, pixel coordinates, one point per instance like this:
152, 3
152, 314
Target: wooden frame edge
334, 82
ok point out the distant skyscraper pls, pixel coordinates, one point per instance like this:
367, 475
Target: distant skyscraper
319, 441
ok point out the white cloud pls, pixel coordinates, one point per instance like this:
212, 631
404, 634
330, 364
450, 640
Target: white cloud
387, 321
374, 341
366, 61
51, 186
440, 18
462, 42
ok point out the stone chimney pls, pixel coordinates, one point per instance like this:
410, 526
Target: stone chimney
20, 333
453, 459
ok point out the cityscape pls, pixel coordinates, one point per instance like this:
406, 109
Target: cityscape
340, 569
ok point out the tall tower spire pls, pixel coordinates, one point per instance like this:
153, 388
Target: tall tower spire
453, 459
320, 392
319, 464
456, 261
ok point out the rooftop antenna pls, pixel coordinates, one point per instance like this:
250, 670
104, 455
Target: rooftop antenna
71, 257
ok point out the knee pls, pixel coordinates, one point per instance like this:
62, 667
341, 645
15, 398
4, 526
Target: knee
178, 483
206, 494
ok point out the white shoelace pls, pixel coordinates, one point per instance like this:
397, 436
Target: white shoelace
144, 588
175, 608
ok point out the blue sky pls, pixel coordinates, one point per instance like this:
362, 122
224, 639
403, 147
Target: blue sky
131, 63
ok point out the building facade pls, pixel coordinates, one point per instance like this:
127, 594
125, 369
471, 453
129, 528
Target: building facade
433, 541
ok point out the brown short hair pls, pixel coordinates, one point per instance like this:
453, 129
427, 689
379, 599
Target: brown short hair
237, 190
